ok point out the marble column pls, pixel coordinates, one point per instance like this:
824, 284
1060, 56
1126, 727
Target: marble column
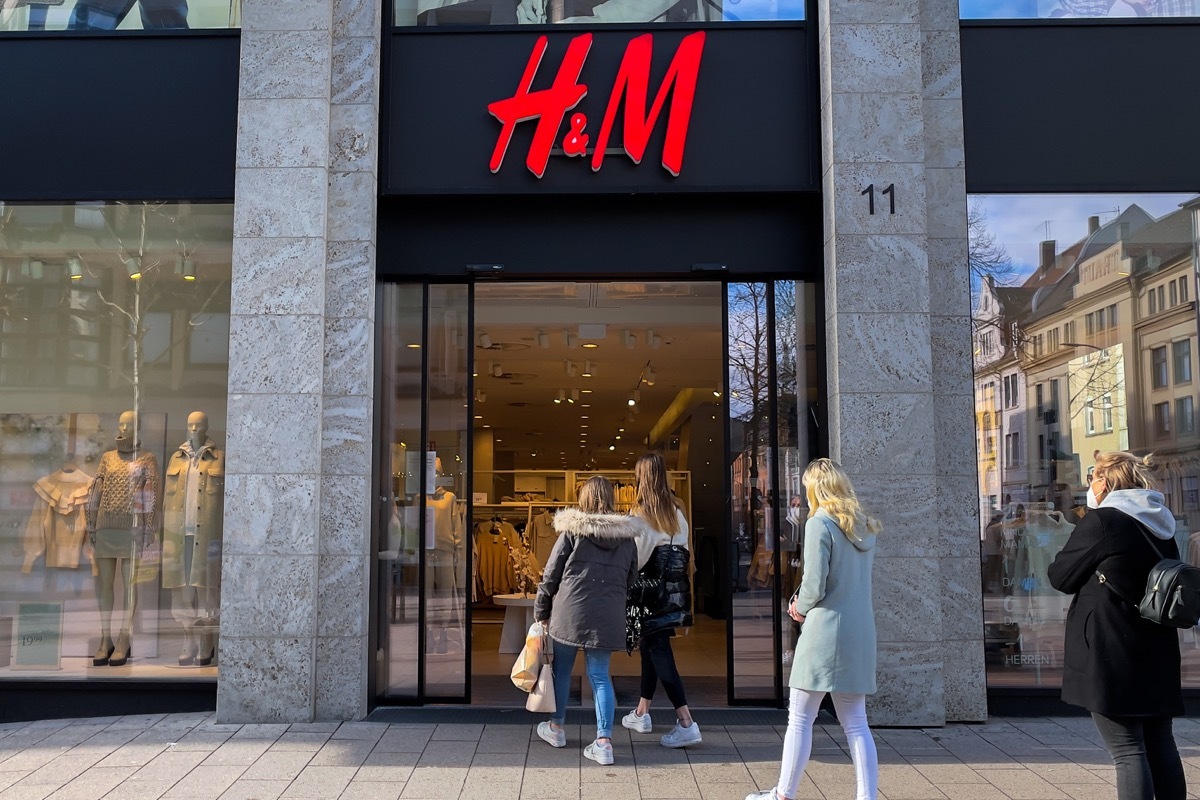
898, 334
296, 563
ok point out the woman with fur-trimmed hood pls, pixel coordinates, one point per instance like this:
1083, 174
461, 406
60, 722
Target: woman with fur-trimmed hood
582, 599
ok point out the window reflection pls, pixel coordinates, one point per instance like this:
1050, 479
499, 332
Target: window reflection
536, 12
1067, 9
108, 15
1084, 343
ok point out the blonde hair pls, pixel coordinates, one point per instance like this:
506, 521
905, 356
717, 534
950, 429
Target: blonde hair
1122, 470
828, 488
596, 496
654, 501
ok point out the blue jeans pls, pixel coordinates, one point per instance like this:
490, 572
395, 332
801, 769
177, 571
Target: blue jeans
597, 672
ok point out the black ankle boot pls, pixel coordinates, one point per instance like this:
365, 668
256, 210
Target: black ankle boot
103, 652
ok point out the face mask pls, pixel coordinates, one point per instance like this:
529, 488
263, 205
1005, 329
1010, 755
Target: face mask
1092, 502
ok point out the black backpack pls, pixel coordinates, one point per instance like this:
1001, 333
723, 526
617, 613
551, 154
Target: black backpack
1172, 594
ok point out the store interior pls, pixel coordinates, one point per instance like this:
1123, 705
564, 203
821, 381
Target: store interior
607, 372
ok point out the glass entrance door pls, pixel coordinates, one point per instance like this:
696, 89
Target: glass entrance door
498, 400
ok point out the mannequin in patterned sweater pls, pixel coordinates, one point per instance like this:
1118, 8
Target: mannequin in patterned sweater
122, 513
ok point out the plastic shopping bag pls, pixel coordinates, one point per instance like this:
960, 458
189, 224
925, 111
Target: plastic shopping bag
541, 699
529, 660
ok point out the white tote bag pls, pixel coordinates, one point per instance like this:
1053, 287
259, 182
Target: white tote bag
541, 697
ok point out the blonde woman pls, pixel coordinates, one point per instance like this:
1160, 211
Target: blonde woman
836, 651
1123, 669
582, 599
665, 590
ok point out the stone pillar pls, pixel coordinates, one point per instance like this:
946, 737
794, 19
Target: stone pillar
296, 556
897, 298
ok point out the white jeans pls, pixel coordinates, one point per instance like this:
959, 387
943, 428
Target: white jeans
797, 744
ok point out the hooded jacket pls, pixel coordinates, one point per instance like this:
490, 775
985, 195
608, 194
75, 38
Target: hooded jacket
836, 651
584, 584
1115, 662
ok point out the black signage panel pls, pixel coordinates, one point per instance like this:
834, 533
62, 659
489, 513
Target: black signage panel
119, 117
1081, 106
751, 125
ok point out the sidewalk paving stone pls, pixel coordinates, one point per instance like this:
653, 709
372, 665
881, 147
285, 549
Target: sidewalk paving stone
192, 757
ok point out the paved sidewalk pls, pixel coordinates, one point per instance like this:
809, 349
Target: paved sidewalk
190, 757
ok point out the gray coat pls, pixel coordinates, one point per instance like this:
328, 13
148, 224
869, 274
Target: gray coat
836, 651
583, 586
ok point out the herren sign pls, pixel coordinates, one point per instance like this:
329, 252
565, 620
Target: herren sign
550, 106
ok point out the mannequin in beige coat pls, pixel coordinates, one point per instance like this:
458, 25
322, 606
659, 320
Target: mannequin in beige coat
193, 508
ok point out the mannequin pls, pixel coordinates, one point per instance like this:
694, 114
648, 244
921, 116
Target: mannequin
445, 557
193, 508
122, 514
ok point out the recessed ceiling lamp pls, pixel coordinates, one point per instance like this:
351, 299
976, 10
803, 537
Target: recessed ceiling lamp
612, 447
485, 341
589, 369
413, 346
543, 340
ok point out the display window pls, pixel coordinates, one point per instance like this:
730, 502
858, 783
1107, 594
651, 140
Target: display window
1084, 343
502, 398
123, 15
1076, 9
114, 358
591, 12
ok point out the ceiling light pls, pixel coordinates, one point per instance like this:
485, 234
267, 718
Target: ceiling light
572, 340
617, 437
590, 345
133, 265
650, 376
413, 346
487, 426
569, 367
653, 339
586, 391
562, 395
543, 340
497, 370
622, 430
589, 369
480, 396
630, 400
583, 416
75, 267
628, 339
716, 393
479, 416
612, 447
574, 395
583, 425
485, 341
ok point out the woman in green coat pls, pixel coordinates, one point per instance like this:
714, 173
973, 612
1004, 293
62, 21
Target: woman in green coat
836, 652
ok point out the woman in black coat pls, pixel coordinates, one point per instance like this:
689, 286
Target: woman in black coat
1119, 666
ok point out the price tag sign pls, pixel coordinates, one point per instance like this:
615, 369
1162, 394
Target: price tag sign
38, 641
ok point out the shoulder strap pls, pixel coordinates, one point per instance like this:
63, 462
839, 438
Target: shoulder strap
1142, 529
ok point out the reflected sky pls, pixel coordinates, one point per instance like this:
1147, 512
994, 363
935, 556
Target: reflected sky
1020, 222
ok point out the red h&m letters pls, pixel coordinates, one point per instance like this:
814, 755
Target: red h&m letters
550, 106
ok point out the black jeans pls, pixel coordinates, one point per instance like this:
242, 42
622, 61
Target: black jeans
1143, 750
658, 664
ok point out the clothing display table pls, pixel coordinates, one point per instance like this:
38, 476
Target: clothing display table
518, 616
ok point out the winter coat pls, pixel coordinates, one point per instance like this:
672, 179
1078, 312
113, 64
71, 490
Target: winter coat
663, 590
203, 567
586, 578
836, 651
1115, 662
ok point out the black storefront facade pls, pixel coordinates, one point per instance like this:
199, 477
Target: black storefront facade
326, 609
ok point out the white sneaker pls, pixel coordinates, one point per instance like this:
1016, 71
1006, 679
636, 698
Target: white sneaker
769, 794
640, 724
556, 738
600, 753
681, 736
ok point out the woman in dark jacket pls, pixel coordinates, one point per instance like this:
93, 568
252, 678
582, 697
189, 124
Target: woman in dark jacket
664, 589
582, 597
1119, 666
